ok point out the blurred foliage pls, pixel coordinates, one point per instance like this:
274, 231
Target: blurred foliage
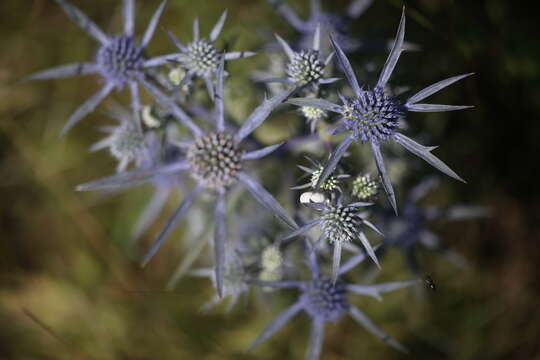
70, 289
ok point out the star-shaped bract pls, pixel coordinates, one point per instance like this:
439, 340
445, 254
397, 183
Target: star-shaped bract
326, 302
340, 224
411, 229
330, 23
215, 160
305, 67
126, 141
234, 281
120, 59
200, 58
373, 116
331, 184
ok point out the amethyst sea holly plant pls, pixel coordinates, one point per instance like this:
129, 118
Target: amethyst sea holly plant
184, 143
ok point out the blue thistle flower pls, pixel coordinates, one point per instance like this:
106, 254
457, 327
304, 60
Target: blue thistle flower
305, 67
234, 281
331, 184
326, 301
120, 59
373, 116
215, 160
339, 224
200, 58
330, 23
410, 230
126, 142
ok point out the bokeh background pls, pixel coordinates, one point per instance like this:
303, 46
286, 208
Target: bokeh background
70, 286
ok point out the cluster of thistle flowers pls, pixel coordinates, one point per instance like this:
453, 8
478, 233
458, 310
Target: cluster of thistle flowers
175, 142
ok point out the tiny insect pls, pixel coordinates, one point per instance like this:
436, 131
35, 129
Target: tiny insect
430, 284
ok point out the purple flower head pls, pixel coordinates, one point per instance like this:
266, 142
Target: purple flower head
119, 60
305, 67
325, 301
234, 281
331, 184
329, 23
339, 224
411, 230
126, 141
200, 58
216, 160
373, 116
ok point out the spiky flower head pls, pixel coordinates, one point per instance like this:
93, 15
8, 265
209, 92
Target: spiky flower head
201, 57
324, 299
119, 59
330, 184
411, 229
215, 159
127, 143
364, 187
233, 283
371, 115
340, 223
329, 22
305, 67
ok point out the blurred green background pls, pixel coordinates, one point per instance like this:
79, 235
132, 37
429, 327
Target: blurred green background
70, 289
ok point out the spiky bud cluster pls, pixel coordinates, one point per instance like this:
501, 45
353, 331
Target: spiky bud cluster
330, 184
364, 187
127, 143
119, 58
372, 115
324, 299
215, 160
271, 264
305, 67
202, 57
340, 223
